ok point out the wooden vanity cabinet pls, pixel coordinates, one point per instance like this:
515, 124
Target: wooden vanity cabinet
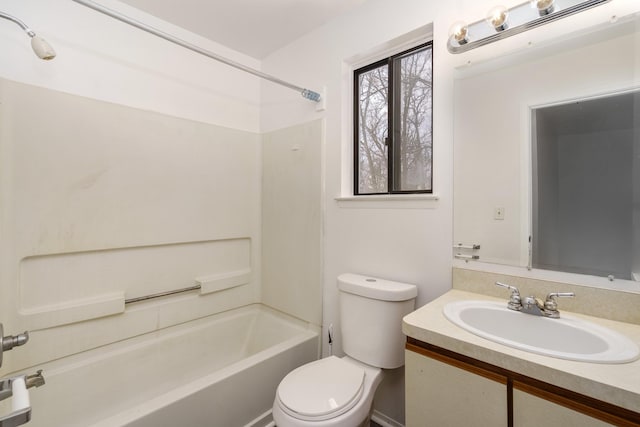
447, 389
441, 392
529, 410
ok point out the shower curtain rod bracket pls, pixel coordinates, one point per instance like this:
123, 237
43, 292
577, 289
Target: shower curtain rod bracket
321, 104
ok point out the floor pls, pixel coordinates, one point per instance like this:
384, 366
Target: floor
374, 424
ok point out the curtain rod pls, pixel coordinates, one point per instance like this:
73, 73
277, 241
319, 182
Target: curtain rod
306, 93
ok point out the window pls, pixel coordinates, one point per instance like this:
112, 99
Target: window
393, 124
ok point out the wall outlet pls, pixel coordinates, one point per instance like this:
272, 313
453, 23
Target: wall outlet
498, 213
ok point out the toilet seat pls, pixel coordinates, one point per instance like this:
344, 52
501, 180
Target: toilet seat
321, 390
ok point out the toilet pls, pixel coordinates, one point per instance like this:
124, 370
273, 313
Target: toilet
334, 391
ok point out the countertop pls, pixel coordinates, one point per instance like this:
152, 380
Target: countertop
618, 384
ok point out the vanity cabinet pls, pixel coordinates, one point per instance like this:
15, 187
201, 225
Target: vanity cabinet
530, 410
439, 393
444, 388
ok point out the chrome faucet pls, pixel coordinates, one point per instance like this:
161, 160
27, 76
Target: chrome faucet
532, 305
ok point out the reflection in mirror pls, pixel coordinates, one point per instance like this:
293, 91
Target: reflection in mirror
503, 110
586, 186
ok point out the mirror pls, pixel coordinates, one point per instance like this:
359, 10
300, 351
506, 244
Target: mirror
586, 186
536, 128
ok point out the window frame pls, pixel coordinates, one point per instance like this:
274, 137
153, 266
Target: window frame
393, 117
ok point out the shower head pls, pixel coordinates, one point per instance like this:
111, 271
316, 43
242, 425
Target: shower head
38, 44
42, 48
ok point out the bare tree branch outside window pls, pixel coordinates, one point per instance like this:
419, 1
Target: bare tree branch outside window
394, 112
374, 125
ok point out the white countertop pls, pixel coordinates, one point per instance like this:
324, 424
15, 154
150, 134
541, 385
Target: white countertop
618, 384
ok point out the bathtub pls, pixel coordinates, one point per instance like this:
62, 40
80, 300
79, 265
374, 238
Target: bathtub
222, 370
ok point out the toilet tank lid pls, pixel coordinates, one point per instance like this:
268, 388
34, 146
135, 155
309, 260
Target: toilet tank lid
375, 288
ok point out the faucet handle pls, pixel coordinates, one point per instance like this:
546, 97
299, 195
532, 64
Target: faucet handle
515, 302
513, 289
551, 305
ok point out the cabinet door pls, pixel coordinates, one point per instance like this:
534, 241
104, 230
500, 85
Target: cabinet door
533, 411
441, 394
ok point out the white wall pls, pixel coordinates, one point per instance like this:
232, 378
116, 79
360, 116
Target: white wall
388, 239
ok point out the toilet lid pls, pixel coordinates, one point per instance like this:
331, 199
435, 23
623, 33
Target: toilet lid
323, 389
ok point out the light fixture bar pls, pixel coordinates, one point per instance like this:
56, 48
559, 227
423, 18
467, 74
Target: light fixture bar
306, 93
521, 18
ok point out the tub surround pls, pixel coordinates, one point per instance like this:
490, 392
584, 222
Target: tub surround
97, 214
292, 220
93, 214
617, 384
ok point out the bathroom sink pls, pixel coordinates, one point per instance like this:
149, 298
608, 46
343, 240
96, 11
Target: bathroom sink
566, 338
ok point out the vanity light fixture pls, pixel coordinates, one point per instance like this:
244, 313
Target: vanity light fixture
501, 22
544, 7
459, 32
497, 18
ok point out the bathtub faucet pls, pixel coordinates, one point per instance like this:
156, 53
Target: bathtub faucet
17, 388
9, 342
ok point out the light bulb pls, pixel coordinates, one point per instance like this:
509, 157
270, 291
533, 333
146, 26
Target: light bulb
460, 32
497, 18
42, 48
544, 7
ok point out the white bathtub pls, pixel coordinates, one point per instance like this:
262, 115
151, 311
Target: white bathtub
218, 371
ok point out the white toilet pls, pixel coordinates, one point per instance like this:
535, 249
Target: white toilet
339, 391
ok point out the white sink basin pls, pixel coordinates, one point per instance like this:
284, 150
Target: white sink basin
565, 338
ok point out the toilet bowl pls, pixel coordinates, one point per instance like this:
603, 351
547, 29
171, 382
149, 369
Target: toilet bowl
338, 392
330, 392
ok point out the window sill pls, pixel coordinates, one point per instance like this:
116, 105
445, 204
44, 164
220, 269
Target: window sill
392, 201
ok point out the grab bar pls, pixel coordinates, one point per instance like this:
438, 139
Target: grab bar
467, 257
162, 294
473, 246
204, 284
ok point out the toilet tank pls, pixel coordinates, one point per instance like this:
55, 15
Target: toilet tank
371, 312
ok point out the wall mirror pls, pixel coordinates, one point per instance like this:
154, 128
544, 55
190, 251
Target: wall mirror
547, 156
585, 158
